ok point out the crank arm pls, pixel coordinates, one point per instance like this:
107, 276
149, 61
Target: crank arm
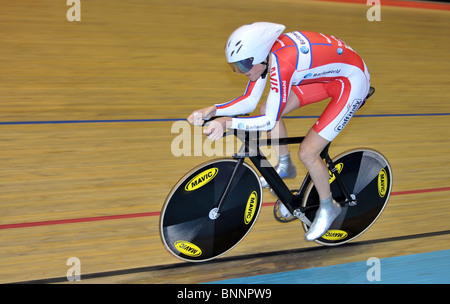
301, 216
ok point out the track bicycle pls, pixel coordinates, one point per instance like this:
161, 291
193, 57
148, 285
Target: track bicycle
215, 205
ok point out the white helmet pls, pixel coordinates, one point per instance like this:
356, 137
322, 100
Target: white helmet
251, 44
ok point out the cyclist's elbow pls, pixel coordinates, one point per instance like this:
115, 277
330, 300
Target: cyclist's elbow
270, 124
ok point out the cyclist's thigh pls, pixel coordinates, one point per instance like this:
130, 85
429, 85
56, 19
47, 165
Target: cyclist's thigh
292, 103
310, 93
347, 95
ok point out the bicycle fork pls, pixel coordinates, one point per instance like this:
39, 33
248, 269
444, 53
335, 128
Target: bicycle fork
215, 212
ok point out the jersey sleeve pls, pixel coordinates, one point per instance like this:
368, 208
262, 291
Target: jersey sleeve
280, 77
245, 103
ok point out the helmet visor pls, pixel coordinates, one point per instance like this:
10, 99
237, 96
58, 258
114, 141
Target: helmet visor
243, 66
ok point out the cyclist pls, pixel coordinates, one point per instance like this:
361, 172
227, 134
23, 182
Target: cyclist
302, 68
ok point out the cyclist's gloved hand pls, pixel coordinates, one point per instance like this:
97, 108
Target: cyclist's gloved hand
197, 118
215, 128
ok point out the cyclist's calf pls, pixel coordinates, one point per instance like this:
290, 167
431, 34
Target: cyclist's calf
309, 154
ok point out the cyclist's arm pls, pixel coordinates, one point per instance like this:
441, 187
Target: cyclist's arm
245, 103
280, 86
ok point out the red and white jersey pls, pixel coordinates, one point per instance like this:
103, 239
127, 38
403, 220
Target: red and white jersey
297, 60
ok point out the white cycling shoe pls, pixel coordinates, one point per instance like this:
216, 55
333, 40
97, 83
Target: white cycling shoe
327, 213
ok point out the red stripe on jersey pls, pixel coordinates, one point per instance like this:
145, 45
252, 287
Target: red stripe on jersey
247, 93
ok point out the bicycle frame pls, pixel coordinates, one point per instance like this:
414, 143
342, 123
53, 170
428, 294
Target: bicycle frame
251, 149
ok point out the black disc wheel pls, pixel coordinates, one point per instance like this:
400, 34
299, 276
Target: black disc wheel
368, 176
190, 226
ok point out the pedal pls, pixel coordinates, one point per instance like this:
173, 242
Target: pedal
301, 216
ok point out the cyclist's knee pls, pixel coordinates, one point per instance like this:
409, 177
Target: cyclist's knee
307, 155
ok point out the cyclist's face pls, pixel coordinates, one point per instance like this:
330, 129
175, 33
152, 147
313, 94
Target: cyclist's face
255, 72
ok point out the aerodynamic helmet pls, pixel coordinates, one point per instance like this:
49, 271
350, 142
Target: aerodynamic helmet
250, 44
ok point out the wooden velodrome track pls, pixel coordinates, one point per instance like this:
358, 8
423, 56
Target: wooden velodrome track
86, 110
